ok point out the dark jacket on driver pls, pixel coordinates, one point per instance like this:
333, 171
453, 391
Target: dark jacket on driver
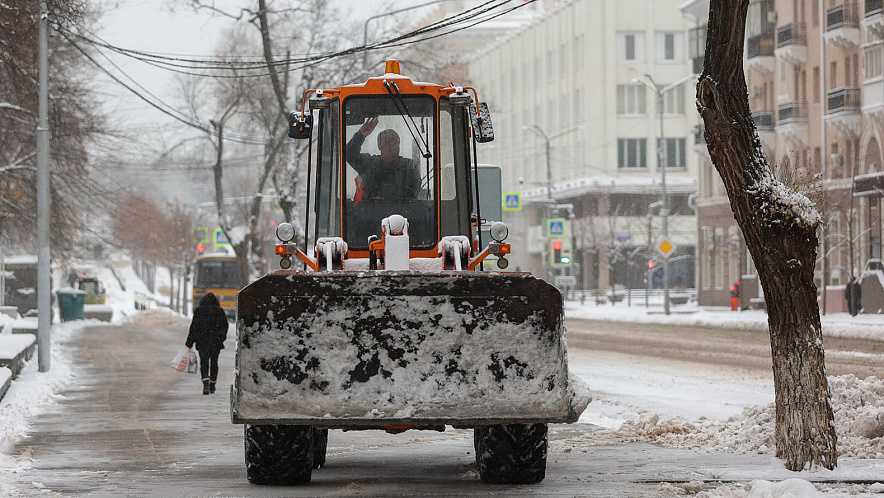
399, 179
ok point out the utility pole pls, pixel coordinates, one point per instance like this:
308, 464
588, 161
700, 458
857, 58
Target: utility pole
44, 302
664, 208
547, 147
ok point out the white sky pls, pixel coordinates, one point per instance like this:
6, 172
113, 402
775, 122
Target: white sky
153, 26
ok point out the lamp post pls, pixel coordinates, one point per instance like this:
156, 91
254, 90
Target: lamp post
547, 140
661, 90
385, 14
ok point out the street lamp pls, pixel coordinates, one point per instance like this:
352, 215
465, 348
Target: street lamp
365, 29
661, 90
547, 140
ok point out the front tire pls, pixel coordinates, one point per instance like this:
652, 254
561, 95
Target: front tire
279, 454
320, 447
511, 453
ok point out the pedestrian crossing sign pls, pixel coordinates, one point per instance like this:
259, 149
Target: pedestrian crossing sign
512, 201
555, 227
220, 239
201, 235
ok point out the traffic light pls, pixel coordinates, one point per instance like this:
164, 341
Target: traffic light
650, 265
559, 254
200, 248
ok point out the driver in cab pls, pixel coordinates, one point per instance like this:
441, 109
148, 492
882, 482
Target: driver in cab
388, 176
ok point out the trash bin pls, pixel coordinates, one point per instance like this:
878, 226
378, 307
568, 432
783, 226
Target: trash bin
70, 304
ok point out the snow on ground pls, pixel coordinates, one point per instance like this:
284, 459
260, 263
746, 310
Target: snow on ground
680, 404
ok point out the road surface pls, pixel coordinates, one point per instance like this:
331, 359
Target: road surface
129, 425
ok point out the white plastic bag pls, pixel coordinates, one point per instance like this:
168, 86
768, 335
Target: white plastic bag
192, 365
182, 360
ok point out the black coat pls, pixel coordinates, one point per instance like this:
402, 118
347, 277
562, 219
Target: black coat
208, 328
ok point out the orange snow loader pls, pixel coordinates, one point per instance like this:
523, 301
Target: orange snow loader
391, 321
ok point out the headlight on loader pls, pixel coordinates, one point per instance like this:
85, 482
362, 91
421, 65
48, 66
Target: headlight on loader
285, 232
499, 231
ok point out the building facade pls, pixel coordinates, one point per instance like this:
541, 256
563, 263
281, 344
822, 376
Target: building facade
577, 131
815, 75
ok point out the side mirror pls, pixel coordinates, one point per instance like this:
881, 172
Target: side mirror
300, 127
482, 129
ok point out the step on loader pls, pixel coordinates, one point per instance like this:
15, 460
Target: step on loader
391, 322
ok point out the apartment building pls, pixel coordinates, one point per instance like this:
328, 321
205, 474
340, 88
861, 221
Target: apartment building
815, 75
577, 135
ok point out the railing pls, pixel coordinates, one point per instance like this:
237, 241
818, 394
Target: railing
791, 112
760, 46
763, 120
843, 100
874, 7
791, 34
699, 135
697, 42
845, 15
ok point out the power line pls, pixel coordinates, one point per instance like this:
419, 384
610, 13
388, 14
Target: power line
470, 18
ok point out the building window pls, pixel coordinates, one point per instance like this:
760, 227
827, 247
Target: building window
873, 61
670, 47
673, 101
673, 152
631, 153
708, 256
631, 46
631, 99
816, 85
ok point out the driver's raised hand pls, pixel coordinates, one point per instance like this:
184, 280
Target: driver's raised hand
368, 127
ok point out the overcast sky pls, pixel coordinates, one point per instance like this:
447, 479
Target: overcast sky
153, 26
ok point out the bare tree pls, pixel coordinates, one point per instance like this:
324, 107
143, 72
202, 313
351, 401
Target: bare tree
780, 229
74, 123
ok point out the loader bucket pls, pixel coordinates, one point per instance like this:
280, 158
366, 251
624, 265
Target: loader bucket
371, 349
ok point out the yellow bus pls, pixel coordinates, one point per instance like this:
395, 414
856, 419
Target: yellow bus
218, 274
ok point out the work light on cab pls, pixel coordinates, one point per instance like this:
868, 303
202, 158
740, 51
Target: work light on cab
285, 232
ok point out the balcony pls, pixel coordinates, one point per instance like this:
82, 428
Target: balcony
792, 44
792, 124
842, 111
873, 22
764, 125
760, 53
842, 25
873, 81
697, 47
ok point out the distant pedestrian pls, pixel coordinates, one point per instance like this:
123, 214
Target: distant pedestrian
208, 330
853, 295
735, 296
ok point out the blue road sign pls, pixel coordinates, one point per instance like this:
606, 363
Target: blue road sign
220, 239
555, 227
512, 201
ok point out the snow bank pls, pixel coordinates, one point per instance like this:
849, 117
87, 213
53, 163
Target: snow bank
33, 390
859, 421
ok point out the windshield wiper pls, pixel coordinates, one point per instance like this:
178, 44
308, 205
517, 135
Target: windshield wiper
393, 90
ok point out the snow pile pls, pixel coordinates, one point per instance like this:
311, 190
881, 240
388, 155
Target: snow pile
157, 316
859, 421
790, 488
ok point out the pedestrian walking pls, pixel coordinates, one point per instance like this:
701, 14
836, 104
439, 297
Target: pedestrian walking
208, 330
735, 296
853, 295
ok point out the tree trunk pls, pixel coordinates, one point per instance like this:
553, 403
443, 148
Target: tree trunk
779, 227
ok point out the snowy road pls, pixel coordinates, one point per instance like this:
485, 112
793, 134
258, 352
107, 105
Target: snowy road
128, 425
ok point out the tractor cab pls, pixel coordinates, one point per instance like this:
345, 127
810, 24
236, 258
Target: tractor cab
392, 149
